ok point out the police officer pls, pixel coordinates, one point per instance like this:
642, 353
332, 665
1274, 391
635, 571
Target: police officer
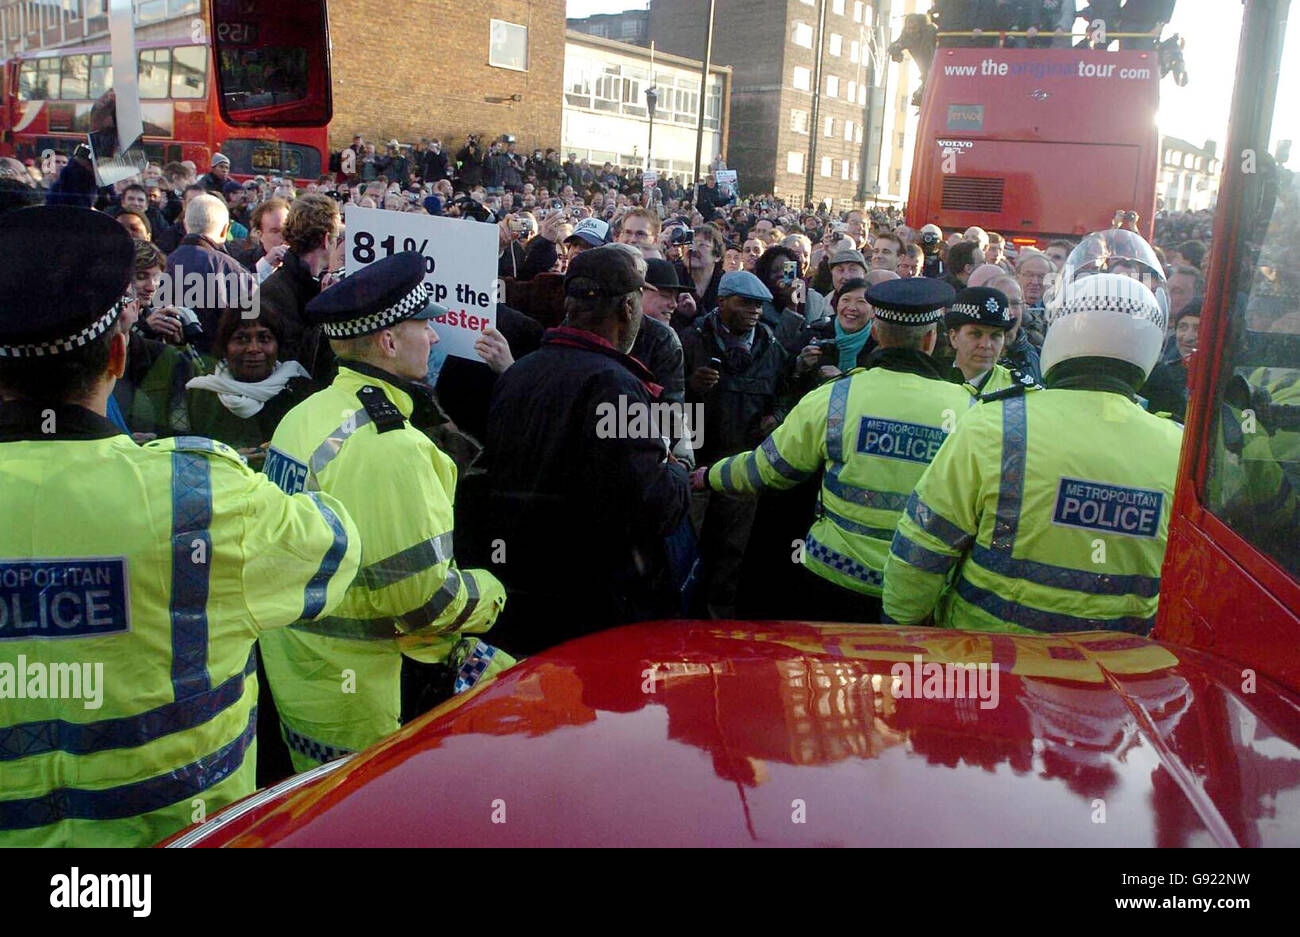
977, 322
337, 681
1048, 511
874, 430
134, 581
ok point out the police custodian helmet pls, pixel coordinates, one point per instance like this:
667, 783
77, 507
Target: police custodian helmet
63, 281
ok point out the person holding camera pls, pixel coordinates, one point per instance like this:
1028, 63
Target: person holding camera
931, 238
835, 346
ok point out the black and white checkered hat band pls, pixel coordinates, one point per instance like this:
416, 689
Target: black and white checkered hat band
404, 308
928, 317
72, 342
1129, 305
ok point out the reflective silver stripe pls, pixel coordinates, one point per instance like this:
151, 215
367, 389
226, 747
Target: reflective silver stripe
865, 497
852, 526
936, 525
1035, 619
327, 450
751, 471
727, 484
387, 627
432, 552
1011, 489
431, 610
926, 560
1061, 577
836, 408
783, 468
471, 600
353, 629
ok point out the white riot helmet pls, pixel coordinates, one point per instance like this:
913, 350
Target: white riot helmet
1114, 250
1105, 315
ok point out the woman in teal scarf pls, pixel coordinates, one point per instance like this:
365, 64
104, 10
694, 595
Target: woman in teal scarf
849, 330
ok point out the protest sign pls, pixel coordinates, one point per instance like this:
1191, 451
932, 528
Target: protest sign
460, 262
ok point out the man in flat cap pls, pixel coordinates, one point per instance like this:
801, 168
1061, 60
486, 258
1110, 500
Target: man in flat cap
735, 363
361, 440
581, 482
874, 431
147, 571
977, 323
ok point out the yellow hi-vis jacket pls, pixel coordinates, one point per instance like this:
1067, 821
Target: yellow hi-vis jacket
134, 582
337, 681
875, 431
1046, 511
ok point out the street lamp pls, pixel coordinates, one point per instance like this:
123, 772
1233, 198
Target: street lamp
651, 99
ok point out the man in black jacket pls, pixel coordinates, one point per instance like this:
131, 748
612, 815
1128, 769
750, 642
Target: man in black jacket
581, 492
312, 232
734, 364
435, 163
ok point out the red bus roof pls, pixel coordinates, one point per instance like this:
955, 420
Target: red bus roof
1036, 142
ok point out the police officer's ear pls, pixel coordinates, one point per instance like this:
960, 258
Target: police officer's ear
117, 355
929, 340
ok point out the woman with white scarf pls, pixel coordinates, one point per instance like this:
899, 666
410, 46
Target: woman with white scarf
244, 400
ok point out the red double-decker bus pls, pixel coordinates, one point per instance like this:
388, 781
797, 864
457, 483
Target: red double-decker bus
1036, 143
47, 98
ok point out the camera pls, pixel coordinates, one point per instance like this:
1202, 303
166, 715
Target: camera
930, 238
830, 351
789, 272
682, 235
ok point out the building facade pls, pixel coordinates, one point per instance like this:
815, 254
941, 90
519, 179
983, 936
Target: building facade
631, 26
444, 68
803, 114
605, 117
1189, 175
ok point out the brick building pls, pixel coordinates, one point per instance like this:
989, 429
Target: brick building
448, 68
422, 68
799, 117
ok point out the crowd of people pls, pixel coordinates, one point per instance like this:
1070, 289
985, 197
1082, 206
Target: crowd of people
819, 357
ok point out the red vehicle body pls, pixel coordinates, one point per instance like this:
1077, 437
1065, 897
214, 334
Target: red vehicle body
46, 99
791, 733
1036, 143
788, 734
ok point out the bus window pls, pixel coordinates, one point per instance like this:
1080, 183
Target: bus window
1253, 483
155, 72
38, 80
75, 70
101, 75
189, 71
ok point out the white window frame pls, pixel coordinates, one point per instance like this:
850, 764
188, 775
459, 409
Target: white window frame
857, 11
791, 161
848, 131
827, 166
844, 169
829, 126
832, 86
492, 25
837, 7
807, 78
835, 45
799, 121
802, 29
